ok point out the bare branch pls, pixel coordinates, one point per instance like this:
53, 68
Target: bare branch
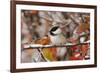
41, 53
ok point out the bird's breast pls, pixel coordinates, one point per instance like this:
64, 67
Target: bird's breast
58, 40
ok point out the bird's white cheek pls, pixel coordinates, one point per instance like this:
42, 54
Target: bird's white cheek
58, 31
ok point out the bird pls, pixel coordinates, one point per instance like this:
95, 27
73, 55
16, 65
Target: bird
57, 38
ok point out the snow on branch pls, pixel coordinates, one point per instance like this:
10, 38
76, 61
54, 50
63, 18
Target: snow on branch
36, 46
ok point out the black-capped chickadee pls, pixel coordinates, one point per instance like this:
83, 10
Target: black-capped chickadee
56, 36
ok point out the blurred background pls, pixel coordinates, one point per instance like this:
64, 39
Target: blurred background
35, 29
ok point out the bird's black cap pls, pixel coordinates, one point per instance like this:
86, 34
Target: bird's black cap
54, 28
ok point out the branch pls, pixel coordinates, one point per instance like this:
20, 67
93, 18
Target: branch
35, 46
41, 53
73, 19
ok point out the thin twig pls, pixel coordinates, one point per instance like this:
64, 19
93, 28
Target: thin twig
41, 53
73, 19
